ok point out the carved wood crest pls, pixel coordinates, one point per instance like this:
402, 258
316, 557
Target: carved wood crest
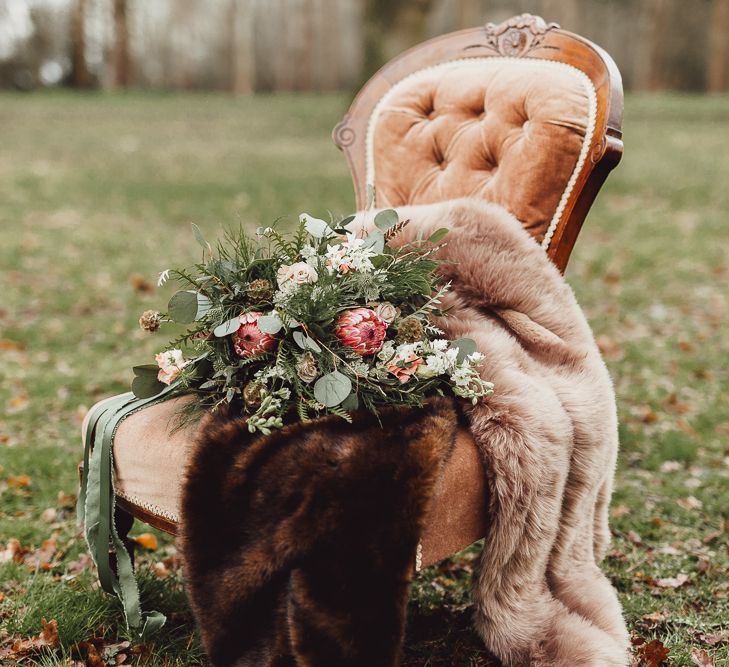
518, 35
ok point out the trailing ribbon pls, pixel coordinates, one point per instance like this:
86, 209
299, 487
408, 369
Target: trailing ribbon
97, 503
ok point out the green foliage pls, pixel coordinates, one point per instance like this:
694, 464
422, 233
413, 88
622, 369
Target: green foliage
336, 275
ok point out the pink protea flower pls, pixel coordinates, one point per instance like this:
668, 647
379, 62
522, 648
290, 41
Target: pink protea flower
361, 329
249, 339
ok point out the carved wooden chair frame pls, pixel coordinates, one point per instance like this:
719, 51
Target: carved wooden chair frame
524, 36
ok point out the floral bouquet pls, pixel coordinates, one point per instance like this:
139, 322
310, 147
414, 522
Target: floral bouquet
321, 321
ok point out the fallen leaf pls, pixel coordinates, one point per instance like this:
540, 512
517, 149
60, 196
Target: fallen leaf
18, 403
13, 345
619, 510
715, 638
161, 570
647, 415
140, 283
49, 515
634, 537
655, 617
690, 503
19, 481
650, 654
13, 552
84, 562
608, 346
42, 558
671, 582
701, 658
66, 500
703, 565
20, 648
147, 540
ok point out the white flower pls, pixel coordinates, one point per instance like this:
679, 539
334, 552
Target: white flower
439, 344
386, 351
351, 255
171, 363
406, 349
298, 274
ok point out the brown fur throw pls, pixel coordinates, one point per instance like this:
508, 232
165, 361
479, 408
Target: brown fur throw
299, 546
548, 437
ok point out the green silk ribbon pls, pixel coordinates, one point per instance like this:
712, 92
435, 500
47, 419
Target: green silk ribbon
97, 503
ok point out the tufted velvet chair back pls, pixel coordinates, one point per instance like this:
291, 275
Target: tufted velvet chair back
522, 114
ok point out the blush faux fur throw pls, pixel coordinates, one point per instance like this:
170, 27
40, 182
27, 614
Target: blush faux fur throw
299, 547
548, 437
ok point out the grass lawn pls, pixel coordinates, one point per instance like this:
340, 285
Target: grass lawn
96, 196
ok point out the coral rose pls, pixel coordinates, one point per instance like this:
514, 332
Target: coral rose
362, 330
170, 365
403, 369
249, 339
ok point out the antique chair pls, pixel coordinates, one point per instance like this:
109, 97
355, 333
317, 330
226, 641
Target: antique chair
523, 114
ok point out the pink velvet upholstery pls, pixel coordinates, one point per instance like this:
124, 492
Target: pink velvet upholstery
500, 129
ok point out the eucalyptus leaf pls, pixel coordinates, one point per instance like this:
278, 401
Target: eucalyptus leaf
227, 328
376, 241
188, 306
351, 403
183, 306
332, 389
345, 221
145, 383
270, 324
386, 219
465, 346
306, 343
318, 228
438, 235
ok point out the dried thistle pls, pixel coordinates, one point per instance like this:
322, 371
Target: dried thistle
260, 290
410, 330
150, 321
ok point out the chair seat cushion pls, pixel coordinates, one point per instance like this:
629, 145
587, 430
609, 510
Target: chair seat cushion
150, 458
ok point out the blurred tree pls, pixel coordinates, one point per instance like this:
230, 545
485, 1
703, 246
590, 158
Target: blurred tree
120, 55
391, 27
717, 72
80, 76
240, 41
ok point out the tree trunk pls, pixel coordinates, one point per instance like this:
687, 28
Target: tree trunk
80, 77
120, 57
717, 67
242, 52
